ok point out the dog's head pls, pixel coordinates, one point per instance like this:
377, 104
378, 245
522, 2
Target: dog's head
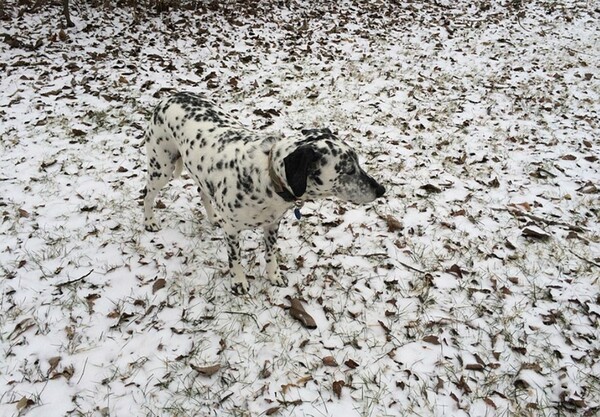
322, 165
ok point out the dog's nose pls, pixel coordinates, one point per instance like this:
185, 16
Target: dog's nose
380, 191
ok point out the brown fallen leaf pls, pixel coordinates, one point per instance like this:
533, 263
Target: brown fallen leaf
474, 367
588, 188
62, 35
272, 411
535, 232
23, 403
206, 370
432, 339
393, 224
490, 403
158, 284
48, 163
329, 361
298, 312
384, 327
54, 361
430, 188
337, 388
455, 270
439, 385
352, 364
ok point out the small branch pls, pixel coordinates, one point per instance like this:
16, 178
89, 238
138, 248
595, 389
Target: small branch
83, 370
411, 267
584, 259
62, 284
517, 212
241, 313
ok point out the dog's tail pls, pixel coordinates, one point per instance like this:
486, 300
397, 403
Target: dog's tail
178, 168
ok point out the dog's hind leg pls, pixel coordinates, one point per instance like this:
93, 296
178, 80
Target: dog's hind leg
210, 212
160, 171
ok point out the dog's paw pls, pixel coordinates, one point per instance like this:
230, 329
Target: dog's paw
240, 287
278, 279
152, 226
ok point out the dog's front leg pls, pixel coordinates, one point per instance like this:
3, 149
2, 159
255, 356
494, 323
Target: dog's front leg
240, 283
273, 272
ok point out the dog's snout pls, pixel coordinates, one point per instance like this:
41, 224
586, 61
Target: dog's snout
380, 191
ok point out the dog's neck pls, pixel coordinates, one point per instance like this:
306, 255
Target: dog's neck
278, 183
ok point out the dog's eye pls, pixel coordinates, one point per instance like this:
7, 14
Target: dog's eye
351, 170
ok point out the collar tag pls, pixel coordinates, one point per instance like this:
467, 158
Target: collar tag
299, 204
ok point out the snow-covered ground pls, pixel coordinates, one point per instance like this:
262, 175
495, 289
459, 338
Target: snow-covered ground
472, 289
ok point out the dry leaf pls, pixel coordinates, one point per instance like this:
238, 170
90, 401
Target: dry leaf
588, 188
329, 361
206, 370
439, 385
474, 367
53, 363
24, 403
91, 299
337, 388
489, 402
304, 380
297, 311
158, 284
430, 188
393, 224
455, 270
272, 411
352, 364
535, 232
48, 163
525, 206
68, 372
432, 339
384, 327
265, 371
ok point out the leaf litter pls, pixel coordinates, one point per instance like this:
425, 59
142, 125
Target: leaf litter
471, 290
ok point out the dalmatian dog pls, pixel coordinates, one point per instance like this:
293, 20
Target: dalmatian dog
247, 180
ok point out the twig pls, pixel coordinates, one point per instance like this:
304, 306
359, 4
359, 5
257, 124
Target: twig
516, 211
241, 313
584, 259
82, 371
411, 267
62, 284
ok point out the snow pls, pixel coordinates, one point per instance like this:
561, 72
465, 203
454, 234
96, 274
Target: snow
480, 118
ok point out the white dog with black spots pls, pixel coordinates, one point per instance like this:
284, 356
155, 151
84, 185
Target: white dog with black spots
247, 180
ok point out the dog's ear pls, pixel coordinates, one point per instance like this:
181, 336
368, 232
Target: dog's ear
297, 165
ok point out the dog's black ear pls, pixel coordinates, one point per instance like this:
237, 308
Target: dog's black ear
297, 165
